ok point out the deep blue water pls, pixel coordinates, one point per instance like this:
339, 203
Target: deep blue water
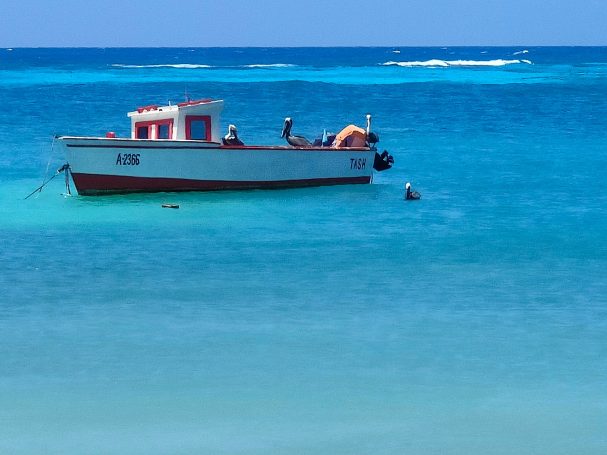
336, 320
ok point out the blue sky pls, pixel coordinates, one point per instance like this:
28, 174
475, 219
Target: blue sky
25, 23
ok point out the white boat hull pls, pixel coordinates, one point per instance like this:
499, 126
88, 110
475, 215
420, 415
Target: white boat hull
111, 165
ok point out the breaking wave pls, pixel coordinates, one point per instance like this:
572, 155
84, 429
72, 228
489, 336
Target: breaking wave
177, 65
270, 65
521, 52
435, 63
190, 66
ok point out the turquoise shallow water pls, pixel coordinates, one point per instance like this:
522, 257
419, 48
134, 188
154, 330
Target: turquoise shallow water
337, 320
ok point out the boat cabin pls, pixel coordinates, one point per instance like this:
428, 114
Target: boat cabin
192, 120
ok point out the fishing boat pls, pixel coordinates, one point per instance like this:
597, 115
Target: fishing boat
179, 147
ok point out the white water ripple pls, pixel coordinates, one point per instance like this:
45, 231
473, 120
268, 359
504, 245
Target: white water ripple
436, 63
177, 65
197, 66
270, 65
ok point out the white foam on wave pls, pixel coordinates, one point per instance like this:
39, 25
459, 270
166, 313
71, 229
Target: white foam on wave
521, 52
196, 66
177, 65
431, 63
269, 65
436, 63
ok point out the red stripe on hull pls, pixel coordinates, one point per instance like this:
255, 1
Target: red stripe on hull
91, 184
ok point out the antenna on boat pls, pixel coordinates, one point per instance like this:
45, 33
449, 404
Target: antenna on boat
186, 94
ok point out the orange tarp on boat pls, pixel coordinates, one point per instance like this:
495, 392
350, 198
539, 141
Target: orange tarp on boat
351, 136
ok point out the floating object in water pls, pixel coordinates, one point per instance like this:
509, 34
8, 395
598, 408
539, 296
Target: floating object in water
411, 195
170, 206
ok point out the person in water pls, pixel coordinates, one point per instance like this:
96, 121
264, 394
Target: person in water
411, 195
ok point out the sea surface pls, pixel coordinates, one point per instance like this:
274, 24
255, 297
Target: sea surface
333, 320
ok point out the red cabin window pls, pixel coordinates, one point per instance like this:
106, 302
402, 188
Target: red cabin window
143, 131
163, 128
198, 127
163, 131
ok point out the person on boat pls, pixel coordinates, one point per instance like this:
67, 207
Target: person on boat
295, 141
232, 137
411, 195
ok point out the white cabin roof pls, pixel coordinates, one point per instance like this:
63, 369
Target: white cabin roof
191, 120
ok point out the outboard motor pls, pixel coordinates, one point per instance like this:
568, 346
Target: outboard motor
383, 161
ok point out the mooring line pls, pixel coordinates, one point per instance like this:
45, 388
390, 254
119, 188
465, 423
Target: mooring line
65, 167
50, 158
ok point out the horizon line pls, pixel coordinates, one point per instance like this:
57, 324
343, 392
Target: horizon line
311, 47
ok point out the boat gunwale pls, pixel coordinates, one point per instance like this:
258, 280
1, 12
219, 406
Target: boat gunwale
196, 144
